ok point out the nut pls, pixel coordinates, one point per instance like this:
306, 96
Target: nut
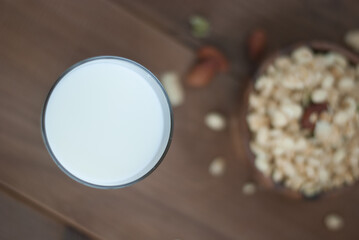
283, 62
340, 118
257, 42
346, 84
277, 175
263, 165
210, 62
291, 110
319, 96
265, 85
210, 52
339, 156
322, 130
312, 110
304, 119
174, 89
200, 26
202, 74
279, 119
328, 82
257, 121
302, 55
352, 39
334, 222
217, 167
215, 121
249, 188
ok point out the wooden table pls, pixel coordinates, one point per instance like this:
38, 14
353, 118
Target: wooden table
180, 200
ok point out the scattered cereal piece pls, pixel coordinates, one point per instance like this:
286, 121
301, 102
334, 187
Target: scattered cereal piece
335, 60
277, 176
282, 62
313, 118
256, 101
328, 82
174, 89
279, 119
334, 222
217, 167
339, 156
249, 188
322, 130
302, 55
292, 110
215, 121
263, 165
257, 121
310, 191
262, 136
265, 85
311, 115
346, 84
319, 96
352, 39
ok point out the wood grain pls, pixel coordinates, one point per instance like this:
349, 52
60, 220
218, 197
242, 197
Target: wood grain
21, 220
232, 20
40, 39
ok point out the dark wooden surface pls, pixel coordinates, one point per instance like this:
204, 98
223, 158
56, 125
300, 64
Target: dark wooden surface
21, 222
23, 219
40, 39
231, 20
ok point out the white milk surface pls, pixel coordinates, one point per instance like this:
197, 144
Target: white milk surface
107, 122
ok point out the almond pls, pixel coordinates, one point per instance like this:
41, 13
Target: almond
202, 73
210, 61
210, 52
312, 109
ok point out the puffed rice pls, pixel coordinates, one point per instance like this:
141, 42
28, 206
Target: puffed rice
217, 167
352, 39
304, 161
334, 222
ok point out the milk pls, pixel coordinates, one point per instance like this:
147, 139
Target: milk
107, 122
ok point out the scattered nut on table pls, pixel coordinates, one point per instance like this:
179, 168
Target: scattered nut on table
334, 222
304, 120
215, 121
210, 61
217, 167
352, 39
257, 42
249, 188
172, 83
200, 26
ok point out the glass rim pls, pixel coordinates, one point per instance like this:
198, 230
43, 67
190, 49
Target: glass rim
46, 142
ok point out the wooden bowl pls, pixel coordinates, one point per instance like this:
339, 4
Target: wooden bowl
241, 134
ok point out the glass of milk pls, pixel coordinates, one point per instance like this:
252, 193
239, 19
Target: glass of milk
107, 122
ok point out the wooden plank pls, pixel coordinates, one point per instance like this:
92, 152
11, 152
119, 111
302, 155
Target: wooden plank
40, 39
231, 21
271, 216
20, 220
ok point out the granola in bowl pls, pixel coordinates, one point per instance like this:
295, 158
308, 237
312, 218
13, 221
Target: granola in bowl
304, 121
